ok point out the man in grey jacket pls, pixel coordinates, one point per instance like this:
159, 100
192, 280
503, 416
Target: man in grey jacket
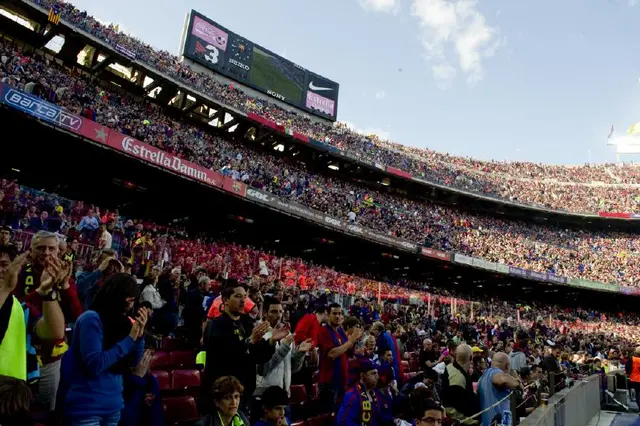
286, 360
518, 356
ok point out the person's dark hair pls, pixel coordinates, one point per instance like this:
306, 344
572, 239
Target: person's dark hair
15, 401
226, 385
320, 309
525, 372
147, 280
145, 304
274, 396
477, 359
110, 304
268, 301
111, 298
421, 403
334, 305
9, 251
228, 288
350, 322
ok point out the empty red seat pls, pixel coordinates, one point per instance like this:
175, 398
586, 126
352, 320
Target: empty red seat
323, 420
164, 381
161, 359
182, 379
183, 358
171, 344
179, 409
298, 394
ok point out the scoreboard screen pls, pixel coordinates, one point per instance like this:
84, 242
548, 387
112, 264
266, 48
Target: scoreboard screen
233, 56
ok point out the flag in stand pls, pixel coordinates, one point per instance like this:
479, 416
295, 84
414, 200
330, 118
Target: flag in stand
54, 14
200, 49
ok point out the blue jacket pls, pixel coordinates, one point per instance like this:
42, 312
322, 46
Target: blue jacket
87, 285
91, 388
350, 413
386, 342
142, 402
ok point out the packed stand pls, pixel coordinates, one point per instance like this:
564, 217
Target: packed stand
577, 189
607, 258
186, 344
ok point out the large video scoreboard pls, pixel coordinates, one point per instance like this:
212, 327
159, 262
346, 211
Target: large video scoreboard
236, 57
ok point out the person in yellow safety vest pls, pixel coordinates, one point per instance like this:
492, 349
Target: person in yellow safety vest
19, 322
633, 371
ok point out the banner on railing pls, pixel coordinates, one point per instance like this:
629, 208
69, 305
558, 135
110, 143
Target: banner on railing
594, 285
398, 172
619, 215
436, 254
461, 258
38, 108
126, 51
265, 121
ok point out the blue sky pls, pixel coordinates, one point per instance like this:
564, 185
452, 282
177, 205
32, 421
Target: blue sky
512, 80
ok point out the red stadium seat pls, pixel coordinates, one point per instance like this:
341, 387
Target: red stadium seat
414, 364
171, 344
182, 379
323, 420
315, 391
183, 358
179, 409
160, 360
164, 381
298, 394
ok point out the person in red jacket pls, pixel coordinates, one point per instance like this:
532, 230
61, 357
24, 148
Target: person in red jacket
309, 327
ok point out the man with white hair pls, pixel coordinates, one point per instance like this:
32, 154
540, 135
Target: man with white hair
45, 253
457, 386
495, 385
428, 357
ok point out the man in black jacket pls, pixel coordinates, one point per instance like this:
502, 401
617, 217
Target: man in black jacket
234, 347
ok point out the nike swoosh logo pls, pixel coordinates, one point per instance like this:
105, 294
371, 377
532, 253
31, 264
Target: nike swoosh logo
318, 88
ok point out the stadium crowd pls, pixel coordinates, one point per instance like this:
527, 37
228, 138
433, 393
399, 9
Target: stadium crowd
205, 338
578, 189
107, 320
603, 257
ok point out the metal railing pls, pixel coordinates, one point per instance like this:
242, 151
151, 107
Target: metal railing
574, 406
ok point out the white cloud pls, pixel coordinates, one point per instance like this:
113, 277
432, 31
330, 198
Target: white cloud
382, 134
444, 74
456, 28
381, 94
386, 6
